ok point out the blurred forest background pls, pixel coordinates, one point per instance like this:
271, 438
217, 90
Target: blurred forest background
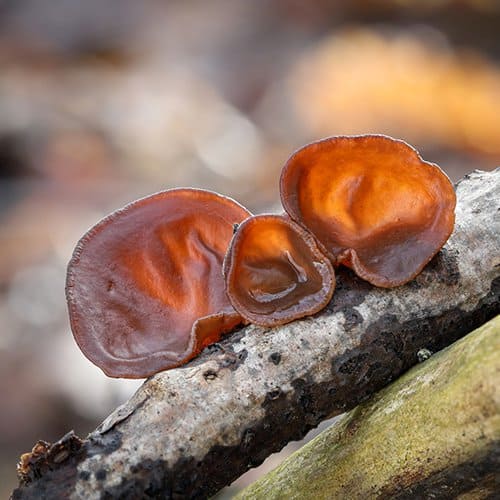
105, 101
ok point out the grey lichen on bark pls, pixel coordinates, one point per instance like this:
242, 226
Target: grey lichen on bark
433, 433
188, 432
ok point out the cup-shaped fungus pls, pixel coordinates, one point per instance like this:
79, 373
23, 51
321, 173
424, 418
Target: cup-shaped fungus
275, 272
372, 203
145, 288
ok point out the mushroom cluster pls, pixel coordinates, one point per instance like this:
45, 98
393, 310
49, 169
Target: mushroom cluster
154, 283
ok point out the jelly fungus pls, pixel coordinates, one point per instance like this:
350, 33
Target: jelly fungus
275, 272
372, 203
145, 288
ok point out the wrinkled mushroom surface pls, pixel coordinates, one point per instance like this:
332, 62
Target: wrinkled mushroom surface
373, 204
275, 272
145, 288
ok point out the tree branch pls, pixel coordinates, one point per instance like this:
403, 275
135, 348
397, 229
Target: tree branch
434, 432
188, 432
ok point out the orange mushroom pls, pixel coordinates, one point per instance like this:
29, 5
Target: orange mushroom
373, 204
275, 272
145, 288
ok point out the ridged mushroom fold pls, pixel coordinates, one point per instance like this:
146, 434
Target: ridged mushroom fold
275, 272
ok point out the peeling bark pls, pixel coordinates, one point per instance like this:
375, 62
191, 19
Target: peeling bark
434, 433
190, 431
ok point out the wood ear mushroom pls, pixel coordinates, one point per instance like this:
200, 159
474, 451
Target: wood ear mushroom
144, 287
372, 203
275, 272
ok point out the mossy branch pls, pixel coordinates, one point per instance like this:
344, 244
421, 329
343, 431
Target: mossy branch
433, 432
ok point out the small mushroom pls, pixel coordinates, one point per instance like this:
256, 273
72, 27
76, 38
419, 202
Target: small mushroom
373, 204
275, 272
145, 288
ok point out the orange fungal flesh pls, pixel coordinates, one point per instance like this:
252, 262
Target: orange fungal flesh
145, 288
372, 203
275, 272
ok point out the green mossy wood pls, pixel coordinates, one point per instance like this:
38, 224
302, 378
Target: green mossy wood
435, 432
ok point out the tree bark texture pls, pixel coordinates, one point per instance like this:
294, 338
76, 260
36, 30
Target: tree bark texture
433, 433
188, 432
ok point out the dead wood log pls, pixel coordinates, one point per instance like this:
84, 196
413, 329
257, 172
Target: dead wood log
433, 433
188, 432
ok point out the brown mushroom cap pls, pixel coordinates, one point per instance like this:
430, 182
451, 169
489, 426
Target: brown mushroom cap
145, 288
372, 203
275, 272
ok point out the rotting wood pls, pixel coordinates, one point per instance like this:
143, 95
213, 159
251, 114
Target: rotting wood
190, 431
433, 433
